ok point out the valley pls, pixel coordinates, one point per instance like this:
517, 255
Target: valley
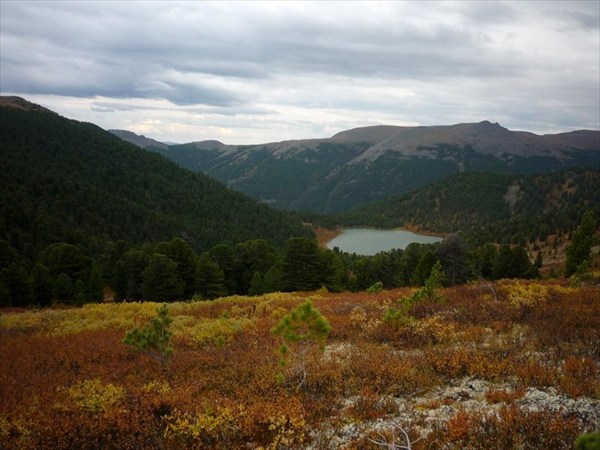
143, 304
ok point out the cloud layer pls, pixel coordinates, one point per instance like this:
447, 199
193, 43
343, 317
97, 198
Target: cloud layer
254, 72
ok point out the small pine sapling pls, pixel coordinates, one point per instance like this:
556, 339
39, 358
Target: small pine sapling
429, 291
432, 284
155, 338
303, 330
375, 288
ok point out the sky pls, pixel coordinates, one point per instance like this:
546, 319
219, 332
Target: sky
257, 72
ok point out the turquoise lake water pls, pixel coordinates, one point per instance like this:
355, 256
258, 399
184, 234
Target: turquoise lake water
369, 241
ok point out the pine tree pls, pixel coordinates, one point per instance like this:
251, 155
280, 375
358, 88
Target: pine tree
94, 290
302, 270
209, 278
41, 285
303, 330
581, 244
161, 282
155, 338
63, 288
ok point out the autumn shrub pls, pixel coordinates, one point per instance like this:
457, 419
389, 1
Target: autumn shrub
67, 381
369, 405
504, 395
579, 377
451, 362
209, 428
536, 373
568, 325
91, 395
459, 361
511, 427
385, 371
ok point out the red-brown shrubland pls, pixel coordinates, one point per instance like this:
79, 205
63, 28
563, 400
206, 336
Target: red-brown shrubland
67, 380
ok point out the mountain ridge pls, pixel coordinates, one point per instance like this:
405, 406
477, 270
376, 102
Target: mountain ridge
484, 136
365, 164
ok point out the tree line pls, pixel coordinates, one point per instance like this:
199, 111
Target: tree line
171, 270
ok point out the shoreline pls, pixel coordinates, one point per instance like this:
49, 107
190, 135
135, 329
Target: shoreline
325, 235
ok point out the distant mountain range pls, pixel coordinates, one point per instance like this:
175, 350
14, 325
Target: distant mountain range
67, 181
372, 163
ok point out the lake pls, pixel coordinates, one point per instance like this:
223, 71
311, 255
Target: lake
369, 241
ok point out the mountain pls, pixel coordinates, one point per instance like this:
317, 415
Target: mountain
63, 180
365, 164
494, 207
139, 140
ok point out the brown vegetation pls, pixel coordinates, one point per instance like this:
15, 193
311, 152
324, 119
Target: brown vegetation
519, 371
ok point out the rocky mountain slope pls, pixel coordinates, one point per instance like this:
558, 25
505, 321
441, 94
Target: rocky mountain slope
371, 163
140, 141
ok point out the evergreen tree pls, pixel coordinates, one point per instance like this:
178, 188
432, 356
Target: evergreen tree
63, 288
118, 281
503, 263
209, 278
539, 260
408, 262
161, 282
273, 279
7, 255
332, 270
521, 266
365, 273
17, 285
181, 253
251, 257
302, 270
423, 268
224, 256
133, 263
155, 338
483, 259
303, 330
578, 251
452, 254
94, 291
67, 259
41, 285
257, 285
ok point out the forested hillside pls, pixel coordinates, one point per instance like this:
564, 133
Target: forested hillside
500, 208
86, 217
66, 181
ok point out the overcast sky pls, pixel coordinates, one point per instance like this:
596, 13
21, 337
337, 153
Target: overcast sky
254, 72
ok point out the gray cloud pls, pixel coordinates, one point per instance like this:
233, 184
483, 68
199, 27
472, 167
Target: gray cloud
273, 63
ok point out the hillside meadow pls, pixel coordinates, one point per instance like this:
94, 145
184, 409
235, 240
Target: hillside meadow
511, 364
